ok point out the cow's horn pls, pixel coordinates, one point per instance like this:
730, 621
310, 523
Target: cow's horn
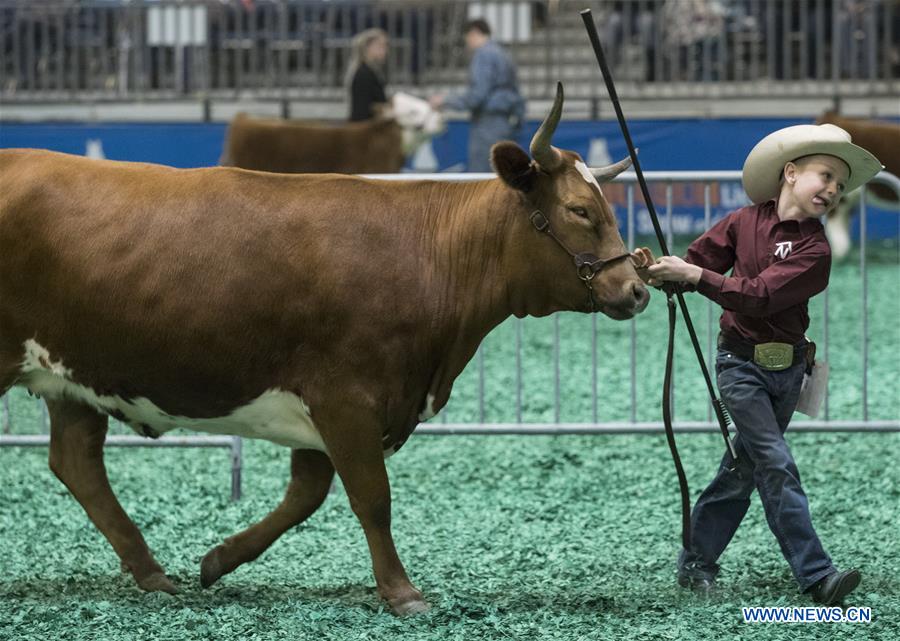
605, 174
541, 150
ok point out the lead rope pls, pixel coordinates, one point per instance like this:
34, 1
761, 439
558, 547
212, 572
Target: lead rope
670, 433
670, 289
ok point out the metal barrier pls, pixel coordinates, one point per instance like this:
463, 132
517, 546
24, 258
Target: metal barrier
88, 50
668, 179
123, 439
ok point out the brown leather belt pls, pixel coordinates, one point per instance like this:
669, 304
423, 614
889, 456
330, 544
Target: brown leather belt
757, 352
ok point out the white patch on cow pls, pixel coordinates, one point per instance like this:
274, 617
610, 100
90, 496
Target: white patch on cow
275, 415
586, 174
414, 113
428, 412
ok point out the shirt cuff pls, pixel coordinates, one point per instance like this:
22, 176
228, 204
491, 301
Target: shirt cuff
710, 284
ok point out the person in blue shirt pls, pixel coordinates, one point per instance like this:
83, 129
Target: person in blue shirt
493, 96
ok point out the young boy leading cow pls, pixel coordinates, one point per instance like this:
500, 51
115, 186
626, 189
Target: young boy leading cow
780, 258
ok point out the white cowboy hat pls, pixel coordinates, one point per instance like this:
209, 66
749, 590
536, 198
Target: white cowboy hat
765, 163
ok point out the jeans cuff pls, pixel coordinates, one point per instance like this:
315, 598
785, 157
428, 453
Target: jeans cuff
818, 576
698, 570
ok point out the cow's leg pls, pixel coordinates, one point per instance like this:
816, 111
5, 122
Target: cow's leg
77, 434
311, 475
359, 461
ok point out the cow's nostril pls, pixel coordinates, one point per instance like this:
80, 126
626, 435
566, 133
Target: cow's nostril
641, 295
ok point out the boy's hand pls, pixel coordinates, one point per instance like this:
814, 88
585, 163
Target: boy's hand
668, 268
672, 268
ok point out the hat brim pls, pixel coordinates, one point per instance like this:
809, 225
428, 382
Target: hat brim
764, 165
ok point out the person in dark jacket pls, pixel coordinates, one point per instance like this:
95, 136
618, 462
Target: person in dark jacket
779, 258
366, 73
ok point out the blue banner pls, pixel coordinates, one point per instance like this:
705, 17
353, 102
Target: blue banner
665, 145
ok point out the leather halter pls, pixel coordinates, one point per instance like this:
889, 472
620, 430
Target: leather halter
587, 265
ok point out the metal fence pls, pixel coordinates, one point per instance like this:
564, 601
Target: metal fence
708, 180
90, 50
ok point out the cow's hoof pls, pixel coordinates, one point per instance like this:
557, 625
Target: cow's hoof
211, 569
406, 602
409, 608
157, 582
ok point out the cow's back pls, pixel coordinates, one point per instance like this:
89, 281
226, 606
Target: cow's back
206, 283
287, 146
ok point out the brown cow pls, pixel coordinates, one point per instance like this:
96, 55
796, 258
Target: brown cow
880, 137
297, 147
326, 313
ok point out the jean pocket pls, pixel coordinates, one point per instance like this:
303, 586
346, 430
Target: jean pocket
727, 360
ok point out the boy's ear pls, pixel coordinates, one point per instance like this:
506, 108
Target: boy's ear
513, 165
789, 173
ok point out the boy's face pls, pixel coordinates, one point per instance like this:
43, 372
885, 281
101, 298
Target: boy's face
816, 183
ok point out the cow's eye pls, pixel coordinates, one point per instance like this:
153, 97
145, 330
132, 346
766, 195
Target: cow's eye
579, 211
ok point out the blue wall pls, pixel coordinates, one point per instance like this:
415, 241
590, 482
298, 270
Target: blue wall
664, 145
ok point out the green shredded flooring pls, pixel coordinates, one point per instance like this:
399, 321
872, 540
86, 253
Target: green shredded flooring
560, 538
569, 538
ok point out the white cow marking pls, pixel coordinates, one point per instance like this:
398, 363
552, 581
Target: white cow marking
429, 410
275, 415
586, 174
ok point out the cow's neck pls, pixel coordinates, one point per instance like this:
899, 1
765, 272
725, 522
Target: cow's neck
478, 268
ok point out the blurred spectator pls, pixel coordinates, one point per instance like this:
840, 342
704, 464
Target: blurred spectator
858, 37
694, 28
625, 22
493, 96
800, 28
365, 73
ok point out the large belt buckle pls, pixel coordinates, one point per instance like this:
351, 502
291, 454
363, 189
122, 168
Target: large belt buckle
773, 356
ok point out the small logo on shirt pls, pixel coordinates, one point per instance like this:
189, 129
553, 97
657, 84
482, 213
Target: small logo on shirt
782, 250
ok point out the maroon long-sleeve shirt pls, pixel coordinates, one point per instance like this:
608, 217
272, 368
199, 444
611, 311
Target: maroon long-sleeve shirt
777, 266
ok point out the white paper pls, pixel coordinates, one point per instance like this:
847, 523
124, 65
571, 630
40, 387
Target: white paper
813, 390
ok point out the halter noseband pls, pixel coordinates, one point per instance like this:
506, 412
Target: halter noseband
587, 265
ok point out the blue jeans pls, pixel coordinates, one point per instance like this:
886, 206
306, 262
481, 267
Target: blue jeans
761, 403
487, 129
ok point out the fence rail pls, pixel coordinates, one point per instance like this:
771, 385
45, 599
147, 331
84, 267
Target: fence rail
97, 50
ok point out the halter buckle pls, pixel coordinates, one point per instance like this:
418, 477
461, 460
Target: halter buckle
587, 266
539, 221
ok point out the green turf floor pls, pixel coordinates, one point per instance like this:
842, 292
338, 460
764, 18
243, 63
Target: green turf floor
567, 538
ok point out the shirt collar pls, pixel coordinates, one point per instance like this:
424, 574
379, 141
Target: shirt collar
806, 226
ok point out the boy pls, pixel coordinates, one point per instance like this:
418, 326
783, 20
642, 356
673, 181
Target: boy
780, 259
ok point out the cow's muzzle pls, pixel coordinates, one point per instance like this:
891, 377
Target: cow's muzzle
587, 265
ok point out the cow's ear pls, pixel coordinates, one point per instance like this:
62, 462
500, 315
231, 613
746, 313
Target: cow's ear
513, 165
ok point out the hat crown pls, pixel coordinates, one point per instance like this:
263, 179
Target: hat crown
834, 132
